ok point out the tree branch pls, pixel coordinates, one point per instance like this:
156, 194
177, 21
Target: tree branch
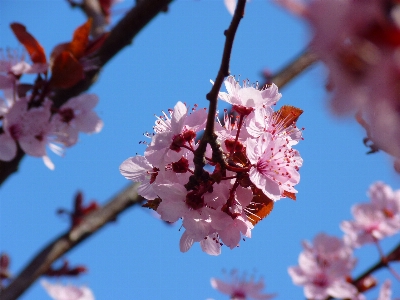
120, 36
294, 68
393, 255
209, 135
67, 241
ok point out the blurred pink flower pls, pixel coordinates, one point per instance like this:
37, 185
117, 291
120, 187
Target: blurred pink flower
67, 292
323, 269
361, 52
75, 116
375, 220
241, 288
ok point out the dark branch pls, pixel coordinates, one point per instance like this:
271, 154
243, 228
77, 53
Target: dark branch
120, 36
209, 136
67, 241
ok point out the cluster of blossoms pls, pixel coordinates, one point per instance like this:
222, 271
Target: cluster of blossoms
29, 118
324, 267
251, 165
361, 51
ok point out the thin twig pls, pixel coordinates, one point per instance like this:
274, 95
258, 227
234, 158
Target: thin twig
209, 136
68, 240
120, 36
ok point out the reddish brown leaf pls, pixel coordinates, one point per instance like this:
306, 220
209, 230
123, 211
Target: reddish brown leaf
106, 8
240, 158
259, 208
289, 195
35, 50
288, 115
80, 40
57, 51
152, 204
96, 44
66, 71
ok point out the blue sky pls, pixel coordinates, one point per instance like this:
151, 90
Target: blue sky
171, 60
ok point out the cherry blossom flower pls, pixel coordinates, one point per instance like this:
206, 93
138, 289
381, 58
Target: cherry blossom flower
323, 268
375, 220
13, 65
31, 128
249, 96
230, 6
138, 169
369, 226
67, 292
385, 293
266, 120
240, 288
387, 201
275, 165
74, 116
172, 133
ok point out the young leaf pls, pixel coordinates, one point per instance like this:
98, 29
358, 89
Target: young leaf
35, 50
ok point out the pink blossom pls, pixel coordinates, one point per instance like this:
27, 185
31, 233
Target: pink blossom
172, 133
74, 116
249, 96
385, 293
240, 288
138, 169
67, 292
375, 220
387, 201
265, 120
369, 225
31, 128
13, 65
323, 268
230, 6
275, 165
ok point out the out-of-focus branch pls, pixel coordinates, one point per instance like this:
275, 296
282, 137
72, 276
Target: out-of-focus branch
120, 36
294, 68
67, 241
393, 256
209, 135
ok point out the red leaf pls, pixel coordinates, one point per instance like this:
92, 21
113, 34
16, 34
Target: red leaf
80, 39
106, 7
288, 115
96, 44
259, 208
66, 71
289, 195
35, 50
